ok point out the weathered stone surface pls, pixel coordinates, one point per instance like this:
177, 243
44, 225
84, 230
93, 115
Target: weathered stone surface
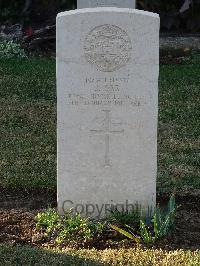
107, 89
106, 3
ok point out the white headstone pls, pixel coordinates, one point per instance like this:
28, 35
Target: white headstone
107, 93
106, 3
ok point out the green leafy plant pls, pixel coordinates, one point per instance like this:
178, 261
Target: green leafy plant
48, 221
77, 228
128, 218
161, 224
68, 227
10, 49
164, 222
145, 233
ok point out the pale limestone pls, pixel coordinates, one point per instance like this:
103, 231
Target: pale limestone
106, 3
107, 93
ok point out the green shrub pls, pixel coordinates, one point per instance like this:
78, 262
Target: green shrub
77, 228
68, 227
48, 220
10, 49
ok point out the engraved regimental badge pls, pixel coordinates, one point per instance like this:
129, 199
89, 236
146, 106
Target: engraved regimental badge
108, 47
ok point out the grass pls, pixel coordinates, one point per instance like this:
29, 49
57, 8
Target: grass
19, 255
179, 131
28, 125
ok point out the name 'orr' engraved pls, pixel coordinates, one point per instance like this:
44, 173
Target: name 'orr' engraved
107, 132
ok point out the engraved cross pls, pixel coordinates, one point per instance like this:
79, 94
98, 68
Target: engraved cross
107, 132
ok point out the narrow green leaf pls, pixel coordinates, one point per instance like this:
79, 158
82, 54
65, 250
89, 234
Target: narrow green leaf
125, 233
148, 239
